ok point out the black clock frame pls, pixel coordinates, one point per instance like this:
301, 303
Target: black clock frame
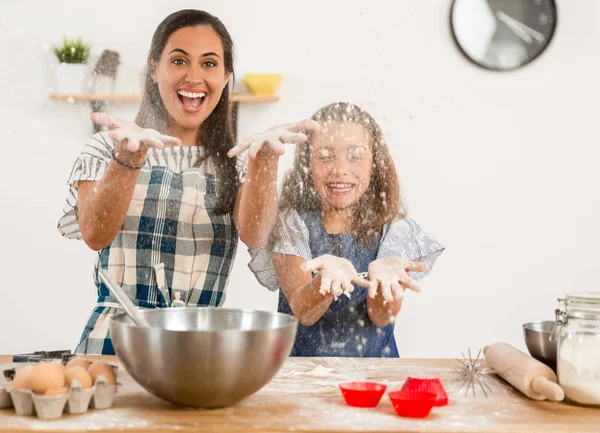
491, 68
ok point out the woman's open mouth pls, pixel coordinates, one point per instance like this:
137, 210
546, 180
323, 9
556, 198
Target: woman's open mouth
191, 101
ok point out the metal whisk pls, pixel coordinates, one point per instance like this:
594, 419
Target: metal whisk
472, 374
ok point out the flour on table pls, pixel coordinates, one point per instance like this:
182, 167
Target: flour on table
318, 371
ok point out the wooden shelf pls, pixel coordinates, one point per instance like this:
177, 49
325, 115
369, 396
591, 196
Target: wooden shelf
237, 97
247, 97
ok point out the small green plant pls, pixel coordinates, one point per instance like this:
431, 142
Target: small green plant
72, 50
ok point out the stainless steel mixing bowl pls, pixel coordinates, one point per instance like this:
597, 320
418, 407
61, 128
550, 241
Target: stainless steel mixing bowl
540, 340
203, 357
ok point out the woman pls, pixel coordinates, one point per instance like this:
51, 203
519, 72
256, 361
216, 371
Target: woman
164, 199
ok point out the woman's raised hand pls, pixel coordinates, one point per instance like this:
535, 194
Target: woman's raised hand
130, 136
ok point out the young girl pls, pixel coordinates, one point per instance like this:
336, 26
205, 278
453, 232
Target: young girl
342, 229
163, 199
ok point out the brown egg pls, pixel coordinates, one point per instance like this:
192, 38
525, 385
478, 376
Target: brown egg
22, 379
78, 362
102, 368
55, 391
79, 374
47, 375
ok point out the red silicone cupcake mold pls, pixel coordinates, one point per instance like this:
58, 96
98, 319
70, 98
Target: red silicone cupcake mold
427, 384
413, 404
362, 394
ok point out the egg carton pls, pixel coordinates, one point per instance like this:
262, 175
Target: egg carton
76, 400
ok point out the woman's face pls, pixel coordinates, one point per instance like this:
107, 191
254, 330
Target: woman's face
341, 159
191, 75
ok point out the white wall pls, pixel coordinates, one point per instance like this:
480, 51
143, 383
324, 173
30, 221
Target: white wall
501, 167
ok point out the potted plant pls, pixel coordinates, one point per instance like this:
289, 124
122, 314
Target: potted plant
72, 54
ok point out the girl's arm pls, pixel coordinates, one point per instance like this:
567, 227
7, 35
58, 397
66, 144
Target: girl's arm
389, 277
310, 297
381, 312
301, 289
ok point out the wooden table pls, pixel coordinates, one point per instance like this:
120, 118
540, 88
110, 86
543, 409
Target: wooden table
304, 397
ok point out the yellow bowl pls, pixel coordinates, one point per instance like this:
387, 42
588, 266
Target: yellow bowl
263, 84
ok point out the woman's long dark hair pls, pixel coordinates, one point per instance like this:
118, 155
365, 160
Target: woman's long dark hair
381, 203
216, 133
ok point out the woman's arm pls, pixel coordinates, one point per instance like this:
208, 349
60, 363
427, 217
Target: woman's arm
256, 202
102, 205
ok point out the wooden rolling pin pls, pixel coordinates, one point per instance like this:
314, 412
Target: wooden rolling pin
528, 375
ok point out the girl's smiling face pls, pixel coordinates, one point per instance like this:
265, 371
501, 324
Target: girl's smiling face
341, 159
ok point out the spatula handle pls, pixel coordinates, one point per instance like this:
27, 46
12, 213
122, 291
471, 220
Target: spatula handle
123, 299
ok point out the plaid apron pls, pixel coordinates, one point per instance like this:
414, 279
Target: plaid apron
172, 250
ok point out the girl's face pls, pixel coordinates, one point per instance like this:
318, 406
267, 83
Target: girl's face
191, 75
341, 159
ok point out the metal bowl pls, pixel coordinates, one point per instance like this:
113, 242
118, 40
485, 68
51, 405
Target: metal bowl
203, 357
540, 339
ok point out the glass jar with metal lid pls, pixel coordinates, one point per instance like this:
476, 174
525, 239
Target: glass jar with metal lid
578, 358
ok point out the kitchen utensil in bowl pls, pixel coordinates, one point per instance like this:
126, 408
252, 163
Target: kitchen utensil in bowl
362, 394
540, 339
203, 356
123, 299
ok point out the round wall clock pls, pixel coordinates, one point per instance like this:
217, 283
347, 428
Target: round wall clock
503, 34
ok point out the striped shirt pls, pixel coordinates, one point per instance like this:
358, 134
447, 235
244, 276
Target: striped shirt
172, 250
